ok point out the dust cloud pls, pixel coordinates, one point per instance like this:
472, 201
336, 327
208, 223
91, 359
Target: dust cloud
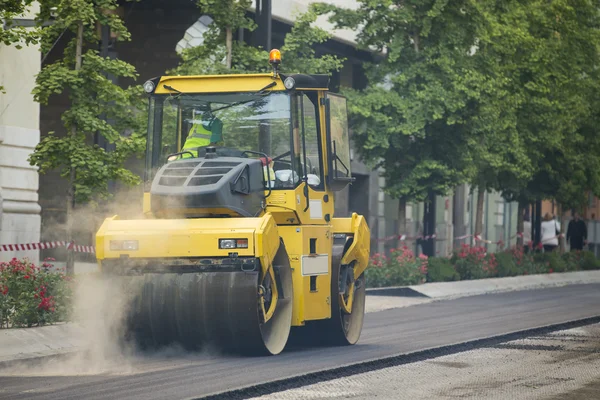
101, 304
99, 331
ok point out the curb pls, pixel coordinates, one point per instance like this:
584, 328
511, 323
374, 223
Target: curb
34, 359
395, 291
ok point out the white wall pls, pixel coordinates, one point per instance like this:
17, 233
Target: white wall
19, 134
287, 10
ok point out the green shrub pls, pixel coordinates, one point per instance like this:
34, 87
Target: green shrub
31, 295
400, 269
440, 269
507, 264
588, 261
474, 262
552, 262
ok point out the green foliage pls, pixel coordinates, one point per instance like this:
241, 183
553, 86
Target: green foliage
10, 32
440, 269
552, 262
298, 51
401, 268
589, 261
581, 260
502, 95
474, 263
32, 295
94, 100
507, 265
413, 117
550, 67
228, 13
298, 54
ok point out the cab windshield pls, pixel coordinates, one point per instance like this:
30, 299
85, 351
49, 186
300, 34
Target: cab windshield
238, 125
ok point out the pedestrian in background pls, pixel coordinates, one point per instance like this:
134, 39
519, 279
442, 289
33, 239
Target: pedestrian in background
577, 233
550, 232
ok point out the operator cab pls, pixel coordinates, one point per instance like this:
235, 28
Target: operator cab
276, 120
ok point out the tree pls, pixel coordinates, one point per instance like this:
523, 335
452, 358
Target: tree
491, 93
551, 70
415, 117
298, 52
81, 73
12, 34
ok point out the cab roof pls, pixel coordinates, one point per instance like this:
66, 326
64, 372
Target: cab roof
235, 83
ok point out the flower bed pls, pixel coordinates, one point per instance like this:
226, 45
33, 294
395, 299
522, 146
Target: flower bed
32, 295
400, 268
471, 262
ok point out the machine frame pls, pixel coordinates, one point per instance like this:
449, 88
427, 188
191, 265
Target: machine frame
327, 255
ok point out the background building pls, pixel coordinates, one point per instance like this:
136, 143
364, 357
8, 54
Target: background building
19, 134
159, 29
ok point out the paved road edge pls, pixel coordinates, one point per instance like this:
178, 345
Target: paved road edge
266, 388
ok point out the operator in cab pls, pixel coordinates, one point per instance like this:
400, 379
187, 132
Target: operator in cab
206, 131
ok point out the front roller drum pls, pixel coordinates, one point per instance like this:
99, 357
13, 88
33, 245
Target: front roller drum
221, 310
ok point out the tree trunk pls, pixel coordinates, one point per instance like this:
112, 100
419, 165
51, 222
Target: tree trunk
521, 223
401, 219
416, 40
229, 45
71, 190
479, 211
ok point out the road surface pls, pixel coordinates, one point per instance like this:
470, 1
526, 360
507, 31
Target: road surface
176, 375
558, 365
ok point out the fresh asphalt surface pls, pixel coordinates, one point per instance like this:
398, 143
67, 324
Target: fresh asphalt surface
385, 333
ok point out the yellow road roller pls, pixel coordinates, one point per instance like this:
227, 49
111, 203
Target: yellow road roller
239, 247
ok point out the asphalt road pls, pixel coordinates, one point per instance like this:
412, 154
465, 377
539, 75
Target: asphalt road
385, 333
559, 365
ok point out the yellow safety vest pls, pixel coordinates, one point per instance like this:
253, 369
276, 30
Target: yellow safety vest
269, 174
199, 136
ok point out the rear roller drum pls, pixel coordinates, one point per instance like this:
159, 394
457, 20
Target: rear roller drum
347, 303
347, 311
241, 312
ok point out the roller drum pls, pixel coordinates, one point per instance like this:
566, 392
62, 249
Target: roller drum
215, 309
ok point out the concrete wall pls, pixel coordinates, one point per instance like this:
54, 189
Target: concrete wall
19, 134
286, 11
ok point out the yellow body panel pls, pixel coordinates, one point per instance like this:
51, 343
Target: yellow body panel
287, 206
360, 248
218, 83
146, 208
308, 304
163, 238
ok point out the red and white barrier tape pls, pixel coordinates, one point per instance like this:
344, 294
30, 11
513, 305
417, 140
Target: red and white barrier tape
47, 245
477, 238
403, 238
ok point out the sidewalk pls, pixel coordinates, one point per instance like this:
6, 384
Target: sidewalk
28, 343
379, 299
